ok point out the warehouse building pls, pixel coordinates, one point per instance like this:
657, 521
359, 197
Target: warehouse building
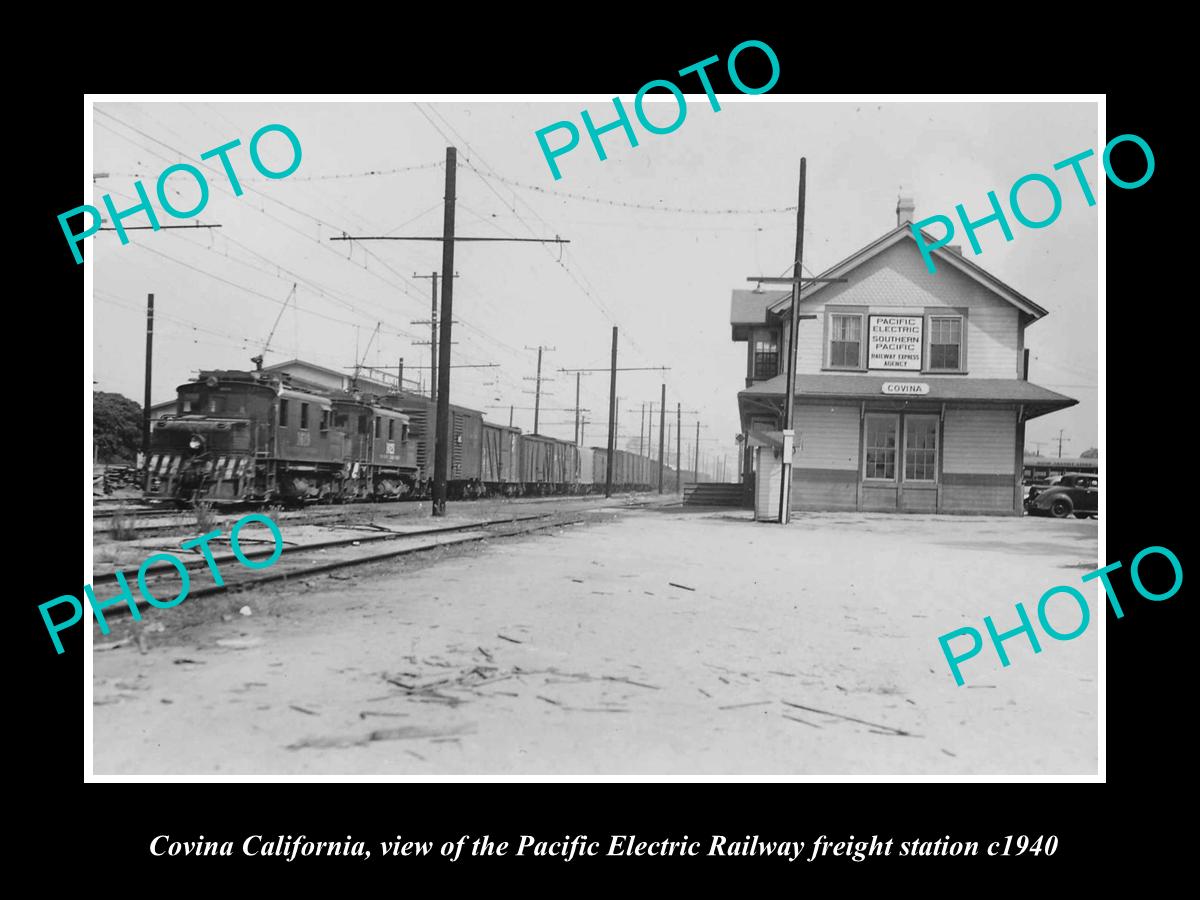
911, 388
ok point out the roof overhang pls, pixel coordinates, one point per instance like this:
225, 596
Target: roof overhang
941, 256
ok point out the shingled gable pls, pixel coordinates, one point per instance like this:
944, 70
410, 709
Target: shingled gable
942, 257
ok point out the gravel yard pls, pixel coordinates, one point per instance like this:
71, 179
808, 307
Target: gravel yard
651, 641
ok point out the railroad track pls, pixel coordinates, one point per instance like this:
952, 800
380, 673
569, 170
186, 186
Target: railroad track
168, 520
295, 562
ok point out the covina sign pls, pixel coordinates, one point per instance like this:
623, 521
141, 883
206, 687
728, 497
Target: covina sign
905, 388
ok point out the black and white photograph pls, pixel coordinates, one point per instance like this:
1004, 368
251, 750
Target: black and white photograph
680, 436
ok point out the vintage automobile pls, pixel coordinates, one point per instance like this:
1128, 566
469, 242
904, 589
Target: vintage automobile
1072, 494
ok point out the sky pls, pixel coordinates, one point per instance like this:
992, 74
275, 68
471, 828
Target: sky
660, 234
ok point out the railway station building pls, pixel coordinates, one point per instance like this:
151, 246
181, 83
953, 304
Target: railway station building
912, 388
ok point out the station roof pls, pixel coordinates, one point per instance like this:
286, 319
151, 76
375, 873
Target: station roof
1037, 400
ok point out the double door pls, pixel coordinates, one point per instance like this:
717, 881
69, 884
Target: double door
901, 461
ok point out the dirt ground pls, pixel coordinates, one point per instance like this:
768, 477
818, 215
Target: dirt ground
570, 652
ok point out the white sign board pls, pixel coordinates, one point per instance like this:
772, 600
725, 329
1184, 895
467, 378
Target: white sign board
905, 387
894, 342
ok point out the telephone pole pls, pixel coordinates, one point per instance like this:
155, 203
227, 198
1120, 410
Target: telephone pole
642, 432
696, 466
537, 399
662, 423
433, 334
796, 281
1060, 438
146, 395
448, 239
577, 376
612, 416
678, 444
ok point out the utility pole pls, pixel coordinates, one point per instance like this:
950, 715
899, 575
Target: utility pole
577, 375
678, 445
796, 281
650, 432
146, 395
537, 399
448, 239
400, 374
433, 335
662, 422
510, 412
696, 466
1060, 438
642, 432
612, 417
441, 450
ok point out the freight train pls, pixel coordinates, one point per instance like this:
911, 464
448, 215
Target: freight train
255, 437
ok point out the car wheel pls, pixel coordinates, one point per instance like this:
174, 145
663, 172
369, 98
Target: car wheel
1060, 509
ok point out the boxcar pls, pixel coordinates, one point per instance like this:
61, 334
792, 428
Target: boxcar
548, 465
464, 468
501, 469
587, 471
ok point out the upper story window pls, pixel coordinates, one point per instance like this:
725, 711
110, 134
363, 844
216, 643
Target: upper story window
945, 353
283, 413
845, 340
766, 358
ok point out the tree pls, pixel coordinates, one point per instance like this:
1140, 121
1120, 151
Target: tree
1090, 453
116, 427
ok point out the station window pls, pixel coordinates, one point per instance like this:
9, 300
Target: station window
945, 343
304, 415
845, 341
391, 429
283, 413
920, 448
766, 358
880, 450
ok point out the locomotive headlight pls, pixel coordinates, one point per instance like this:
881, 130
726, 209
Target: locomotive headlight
197, 442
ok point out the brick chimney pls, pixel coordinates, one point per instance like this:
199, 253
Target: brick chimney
905, 211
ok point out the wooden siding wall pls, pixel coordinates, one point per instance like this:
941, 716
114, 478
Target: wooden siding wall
977, 450
897, 281
825, 467
978, 460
